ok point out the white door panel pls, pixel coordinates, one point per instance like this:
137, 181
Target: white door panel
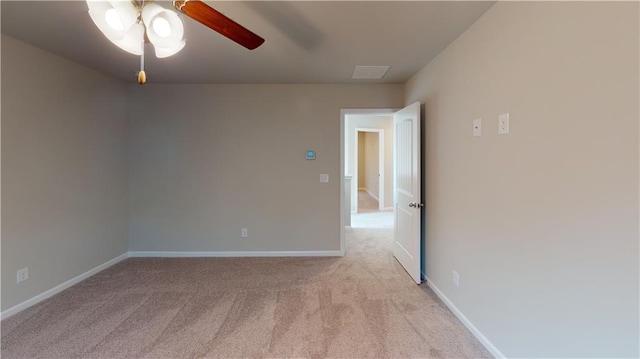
407, 182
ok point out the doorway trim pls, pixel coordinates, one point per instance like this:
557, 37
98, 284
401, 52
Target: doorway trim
381, 166
343, 114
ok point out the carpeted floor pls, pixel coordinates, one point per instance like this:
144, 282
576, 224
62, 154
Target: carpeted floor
378, 219
362, 305
366, 202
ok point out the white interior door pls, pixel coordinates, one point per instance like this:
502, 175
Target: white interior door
407, 182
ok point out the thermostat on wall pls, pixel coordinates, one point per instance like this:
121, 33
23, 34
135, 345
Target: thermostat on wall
311, 155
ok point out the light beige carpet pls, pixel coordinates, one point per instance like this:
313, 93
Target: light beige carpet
360, 306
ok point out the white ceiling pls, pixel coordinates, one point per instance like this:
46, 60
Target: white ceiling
306, 41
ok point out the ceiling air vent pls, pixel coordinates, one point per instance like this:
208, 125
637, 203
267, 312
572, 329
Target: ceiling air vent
369, 72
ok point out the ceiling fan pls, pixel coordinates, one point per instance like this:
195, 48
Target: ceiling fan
130, 23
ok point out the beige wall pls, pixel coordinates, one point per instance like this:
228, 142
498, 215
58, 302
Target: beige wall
541, 224
64, 170
208, 160
372, 163
369, 121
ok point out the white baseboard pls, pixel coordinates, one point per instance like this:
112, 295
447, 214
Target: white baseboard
388, 209
59, 288
467, 323
238, 254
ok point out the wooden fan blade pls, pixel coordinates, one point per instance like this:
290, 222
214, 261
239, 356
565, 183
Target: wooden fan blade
212, 18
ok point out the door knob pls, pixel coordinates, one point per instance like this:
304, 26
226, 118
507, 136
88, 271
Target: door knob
416, 205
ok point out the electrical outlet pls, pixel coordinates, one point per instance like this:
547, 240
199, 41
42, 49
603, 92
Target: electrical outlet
22, 274
456, 279
477, 127
244, 233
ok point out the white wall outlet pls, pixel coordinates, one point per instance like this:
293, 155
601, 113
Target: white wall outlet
456, 279
503, 124
244, 233
324, 178
477, 127
22, 274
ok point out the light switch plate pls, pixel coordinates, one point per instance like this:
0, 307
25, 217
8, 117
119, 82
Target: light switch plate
477, 127
456, 279
503, 124
324, 178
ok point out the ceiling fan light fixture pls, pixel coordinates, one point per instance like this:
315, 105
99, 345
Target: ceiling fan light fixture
164, 27
129, 23
117, 20
114, 18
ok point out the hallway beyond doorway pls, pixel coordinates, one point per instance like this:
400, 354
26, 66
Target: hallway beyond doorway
366, 202
369, 216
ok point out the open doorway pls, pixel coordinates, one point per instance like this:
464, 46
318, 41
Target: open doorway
368, 168
401, 235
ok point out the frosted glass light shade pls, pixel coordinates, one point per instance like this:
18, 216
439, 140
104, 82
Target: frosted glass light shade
113, 19
117, 19
132, 40
164, 29
168, 51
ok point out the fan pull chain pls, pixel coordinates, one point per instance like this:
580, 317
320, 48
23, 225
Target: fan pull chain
142, 76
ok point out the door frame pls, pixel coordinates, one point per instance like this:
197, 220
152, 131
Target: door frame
343, 123
381, 166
